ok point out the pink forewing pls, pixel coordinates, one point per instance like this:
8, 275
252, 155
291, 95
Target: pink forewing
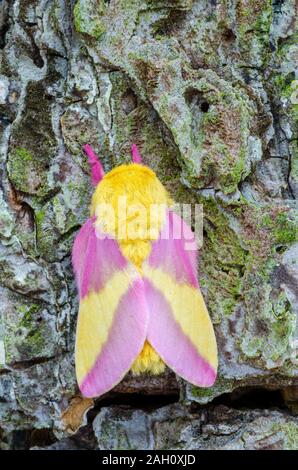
125, 342
96, 258
174, 347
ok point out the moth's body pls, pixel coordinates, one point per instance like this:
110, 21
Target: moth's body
139, 185
135, 262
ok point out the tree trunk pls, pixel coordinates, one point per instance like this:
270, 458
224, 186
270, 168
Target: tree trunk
207, 90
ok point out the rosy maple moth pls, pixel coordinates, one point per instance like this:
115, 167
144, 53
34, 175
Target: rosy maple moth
140, 302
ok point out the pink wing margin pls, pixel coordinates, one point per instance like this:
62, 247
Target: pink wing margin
95, 260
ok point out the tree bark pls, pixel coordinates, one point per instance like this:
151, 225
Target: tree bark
207, 90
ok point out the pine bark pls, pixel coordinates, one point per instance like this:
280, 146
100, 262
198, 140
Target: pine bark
208, 90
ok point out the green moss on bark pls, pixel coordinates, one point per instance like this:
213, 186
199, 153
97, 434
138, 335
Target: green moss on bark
87, 17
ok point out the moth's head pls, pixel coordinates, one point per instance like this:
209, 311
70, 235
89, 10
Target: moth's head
97, 171
133, 180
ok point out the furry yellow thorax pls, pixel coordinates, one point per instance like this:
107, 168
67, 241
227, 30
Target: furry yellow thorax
130, 202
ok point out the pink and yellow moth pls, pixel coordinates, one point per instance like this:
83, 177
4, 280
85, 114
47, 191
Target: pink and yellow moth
140, 301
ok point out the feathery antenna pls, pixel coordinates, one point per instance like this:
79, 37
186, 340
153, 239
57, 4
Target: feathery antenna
97, 171
136, 157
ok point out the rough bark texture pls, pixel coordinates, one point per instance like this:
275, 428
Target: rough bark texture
206, 88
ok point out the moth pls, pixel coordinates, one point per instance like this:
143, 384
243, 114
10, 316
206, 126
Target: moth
140, 303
